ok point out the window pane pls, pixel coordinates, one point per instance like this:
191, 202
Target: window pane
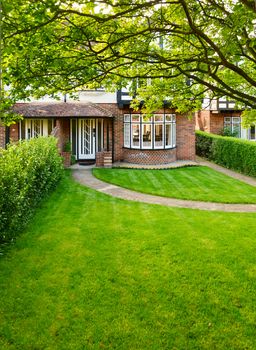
136, 135
22, 129
173, 135
127, 135
168, 135
28, 129
37, 128
147, 135
236, 130
135, 117
236, 120
252, 132
146, 119
159, 137
227, 119
174, 118
127, 117
168, 117
159, 118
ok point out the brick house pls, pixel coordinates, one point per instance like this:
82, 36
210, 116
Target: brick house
102, 127
219, 115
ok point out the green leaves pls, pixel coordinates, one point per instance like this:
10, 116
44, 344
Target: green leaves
248, 117
52, 46
28, 171
230, 152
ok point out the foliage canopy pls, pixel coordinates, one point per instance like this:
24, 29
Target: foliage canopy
188, 49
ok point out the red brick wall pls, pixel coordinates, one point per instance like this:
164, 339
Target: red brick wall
104, 158
203, 120
216, 123
185, 138
66, 159
119, 136
14, 132
149, 157
2, 136
62, 132
118, 128
212, 122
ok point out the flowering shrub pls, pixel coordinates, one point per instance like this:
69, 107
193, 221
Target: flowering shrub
28, 171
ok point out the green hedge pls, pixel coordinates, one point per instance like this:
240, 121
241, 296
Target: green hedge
232, 153
28, 170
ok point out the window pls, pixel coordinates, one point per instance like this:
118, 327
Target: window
150, 132
252, 133
30, 128
232, 125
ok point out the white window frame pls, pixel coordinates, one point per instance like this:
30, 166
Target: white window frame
30, 124
231, 122
129, 121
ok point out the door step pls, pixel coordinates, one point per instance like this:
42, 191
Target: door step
86, 162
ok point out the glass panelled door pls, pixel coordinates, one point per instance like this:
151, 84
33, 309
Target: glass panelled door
86, 139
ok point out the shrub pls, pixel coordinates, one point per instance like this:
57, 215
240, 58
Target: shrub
28, 171
232, 153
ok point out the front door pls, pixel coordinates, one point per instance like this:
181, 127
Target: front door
86, 139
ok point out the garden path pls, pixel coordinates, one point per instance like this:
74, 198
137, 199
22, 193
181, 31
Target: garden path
86, 178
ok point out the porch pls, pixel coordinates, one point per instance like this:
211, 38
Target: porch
88, 140
84, 130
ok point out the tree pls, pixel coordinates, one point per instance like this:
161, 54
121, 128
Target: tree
188, 49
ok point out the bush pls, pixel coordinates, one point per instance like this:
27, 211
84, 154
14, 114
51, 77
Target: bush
28, 171
232, 153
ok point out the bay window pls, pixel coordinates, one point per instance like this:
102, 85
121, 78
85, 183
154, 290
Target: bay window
150, 132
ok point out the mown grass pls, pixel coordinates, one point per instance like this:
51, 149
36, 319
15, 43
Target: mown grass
95, 272
193, 183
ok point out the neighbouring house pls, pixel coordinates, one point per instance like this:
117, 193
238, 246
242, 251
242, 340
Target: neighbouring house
220, 116
101, 127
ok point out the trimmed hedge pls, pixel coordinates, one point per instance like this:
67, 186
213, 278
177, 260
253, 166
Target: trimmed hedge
232, 153
28, 171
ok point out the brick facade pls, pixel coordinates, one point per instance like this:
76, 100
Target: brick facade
113, 146
62, 132
149, 157
14, 132
113, 137
2, 136
104, 159
203, 120
66, 159
213, 122
185, 138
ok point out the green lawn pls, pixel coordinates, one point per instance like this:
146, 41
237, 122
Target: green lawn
194, 183
95, 272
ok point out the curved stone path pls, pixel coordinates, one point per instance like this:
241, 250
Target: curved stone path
86, 178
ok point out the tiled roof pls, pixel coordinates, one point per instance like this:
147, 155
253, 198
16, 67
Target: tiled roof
61, 109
